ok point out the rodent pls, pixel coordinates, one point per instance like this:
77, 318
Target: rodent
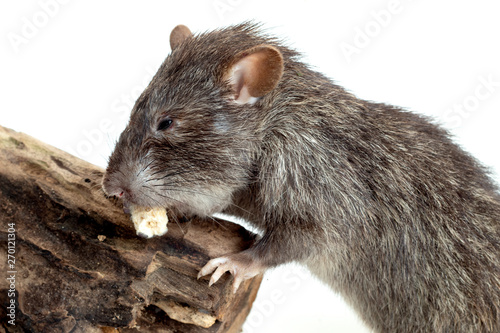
376, 201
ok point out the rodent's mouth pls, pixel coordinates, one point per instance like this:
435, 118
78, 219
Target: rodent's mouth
126, 207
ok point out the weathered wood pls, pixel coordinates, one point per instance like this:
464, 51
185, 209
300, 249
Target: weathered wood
81, 268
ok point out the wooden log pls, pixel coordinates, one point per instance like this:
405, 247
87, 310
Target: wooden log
79, 266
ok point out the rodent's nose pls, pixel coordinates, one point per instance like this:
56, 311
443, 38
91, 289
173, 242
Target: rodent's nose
114, 186
123, 193
119, 192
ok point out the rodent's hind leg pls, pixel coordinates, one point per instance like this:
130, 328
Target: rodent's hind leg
239, 265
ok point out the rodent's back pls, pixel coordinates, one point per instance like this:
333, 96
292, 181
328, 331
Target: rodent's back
397, 200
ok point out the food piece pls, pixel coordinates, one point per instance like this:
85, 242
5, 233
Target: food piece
149, 221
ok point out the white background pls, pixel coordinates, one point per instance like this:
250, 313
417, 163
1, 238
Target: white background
70, 71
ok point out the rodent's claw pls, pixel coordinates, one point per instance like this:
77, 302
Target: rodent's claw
240, 271
214, 266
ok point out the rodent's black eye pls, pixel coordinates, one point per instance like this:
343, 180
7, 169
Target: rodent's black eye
164, 124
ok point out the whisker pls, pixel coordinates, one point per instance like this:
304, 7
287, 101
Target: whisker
178, 224
167, 175
143, 169
206, 195
220, 224
210, 217
152, 199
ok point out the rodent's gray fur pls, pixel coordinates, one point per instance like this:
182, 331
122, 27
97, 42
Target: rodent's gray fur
377, 201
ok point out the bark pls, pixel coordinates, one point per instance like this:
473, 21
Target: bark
79, 266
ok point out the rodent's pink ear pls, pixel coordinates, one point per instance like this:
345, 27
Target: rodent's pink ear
178, 35
255, 72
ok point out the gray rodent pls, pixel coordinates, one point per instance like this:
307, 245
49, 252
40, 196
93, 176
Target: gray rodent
376, 201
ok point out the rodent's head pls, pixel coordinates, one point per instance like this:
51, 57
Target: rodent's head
194, 132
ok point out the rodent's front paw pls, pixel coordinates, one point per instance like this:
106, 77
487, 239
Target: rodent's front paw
240, 267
